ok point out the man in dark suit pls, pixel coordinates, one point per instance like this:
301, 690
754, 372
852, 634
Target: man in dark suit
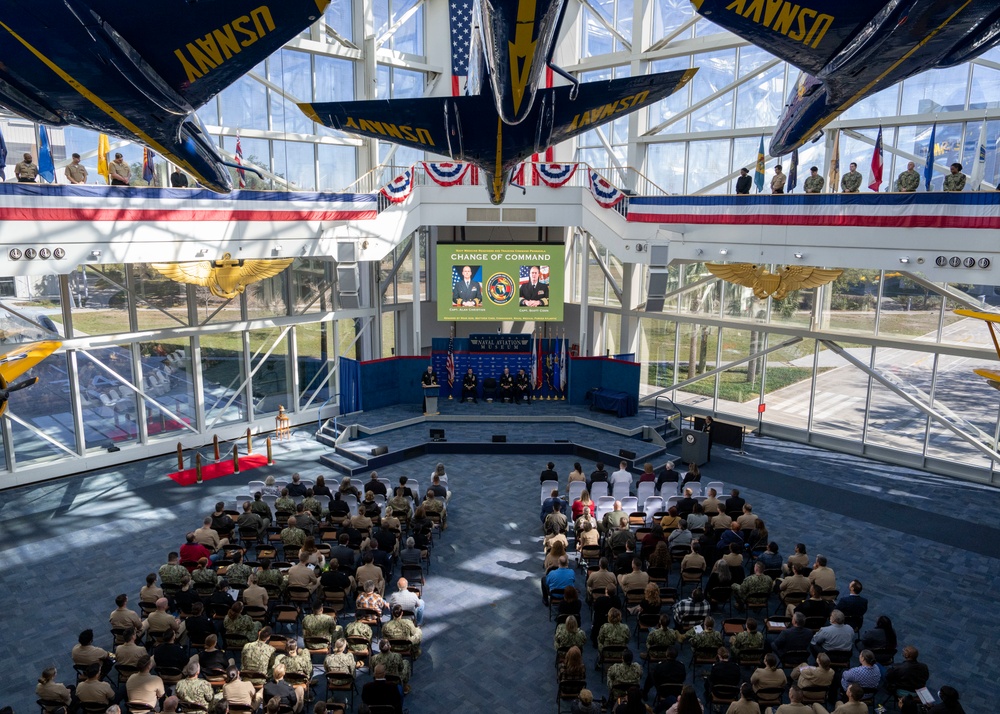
598, 474
744, 182
549, 473
534, 293
793, 639
667, 671
668, 475
280, 688
467, 292
375, 486
381, 692
724, 671
686, 504
734, 503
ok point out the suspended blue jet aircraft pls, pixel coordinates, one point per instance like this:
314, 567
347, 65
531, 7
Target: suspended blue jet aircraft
140, 71
505, 116
850, 50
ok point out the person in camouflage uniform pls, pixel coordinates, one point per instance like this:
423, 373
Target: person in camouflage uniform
262, 509
356, 628
399, 502
393, 662
400, 628
285, 502
203, 576
434, 505
614, 631
955, 181
311, 503
814, 182
340, 661
236, 623
707, 639
258, 656
909, 180
267, 577
192, 690
625, 673
662, 636
319, 624
569, 634
756, 584
749, 639
238, 572
297, 661
851, 181
172, 571
292, 535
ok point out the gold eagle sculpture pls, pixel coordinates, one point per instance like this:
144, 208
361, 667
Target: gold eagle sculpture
225, 278
777, 285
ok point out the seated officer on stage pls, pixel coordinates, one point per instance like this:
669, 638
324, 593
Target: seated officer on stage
469, 383
522, 387
506, 382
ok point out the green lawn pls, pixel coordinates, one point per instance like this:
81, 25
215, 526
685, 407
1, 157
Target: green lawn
733, 384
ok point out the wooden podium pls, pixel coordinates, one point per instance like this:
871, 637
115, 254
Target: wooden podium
431, 392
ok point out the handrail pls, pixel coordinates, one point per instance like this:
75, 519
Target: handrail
319, 415
676, 410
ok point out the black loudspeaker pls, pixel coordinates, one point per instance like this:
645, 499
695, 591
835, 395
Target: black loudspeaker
499, 438
379, 450
437, 434
626, 454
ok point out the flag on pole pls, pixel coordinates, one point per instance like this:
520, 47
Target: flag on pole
239, 160
875, 177
758, 174
929, 166
147, 165
979, 170
460, 25
793, 172
450, 364
563, 366
103, 149
538, 376
3, 158
46, 167
833, 179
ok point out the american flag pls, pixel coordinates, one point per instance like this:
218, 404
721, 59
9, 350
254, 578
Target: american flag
460, 21
875, 177
450, 364
525, 274
147, 165
239, 160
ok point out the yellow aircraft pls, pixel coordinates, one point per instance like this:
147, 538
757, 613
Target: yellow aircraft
990, 318
17, 362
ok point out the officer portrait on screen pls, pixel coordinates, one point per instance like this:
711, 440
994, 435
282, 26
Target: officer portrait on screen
465, 291
533, 292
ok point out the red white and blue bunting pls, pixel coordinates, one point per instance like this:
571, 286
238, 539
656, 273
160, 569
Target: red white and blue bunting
604, 193
446, 173
554, 175
400, 188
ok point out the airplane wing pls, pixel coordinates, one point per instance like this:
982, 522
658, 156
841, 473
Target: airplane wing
421, 123
20, 360
807, 37
197, 49
987, 316
600, 102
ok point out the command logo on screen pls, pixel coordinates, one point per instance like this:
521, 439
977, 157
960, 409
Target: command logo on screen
500, 289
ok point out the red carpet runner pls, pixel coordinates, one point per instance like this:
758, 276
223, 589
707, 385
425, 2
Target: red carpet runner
223, 468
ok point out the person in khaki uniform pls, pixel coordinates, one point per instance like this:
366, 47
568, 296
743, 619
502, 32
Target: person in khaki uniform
636, 580
822, 575
143, 686
85, 653
94, 690
49, 690
75, 172
26, 171
769, 675
239, 691
119, 171
795, 705
601, 579
122, 617
129, 653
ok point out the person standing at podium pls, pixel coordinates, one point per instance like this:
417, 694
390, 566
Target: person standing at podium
506, 386
469, 386
707, 428
428, 379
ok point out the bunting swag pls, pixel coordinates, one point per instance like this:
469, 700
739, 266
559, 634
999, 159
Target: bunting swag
446, 173
980, 210
400, 188
555, 175
604, 193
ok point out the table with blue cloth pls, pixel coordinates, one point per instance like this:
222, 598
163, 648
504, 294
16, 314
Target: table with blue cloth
621, 403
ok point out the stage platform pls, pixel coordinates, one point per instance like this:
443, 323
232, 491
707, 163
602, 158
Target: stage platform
543, 427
